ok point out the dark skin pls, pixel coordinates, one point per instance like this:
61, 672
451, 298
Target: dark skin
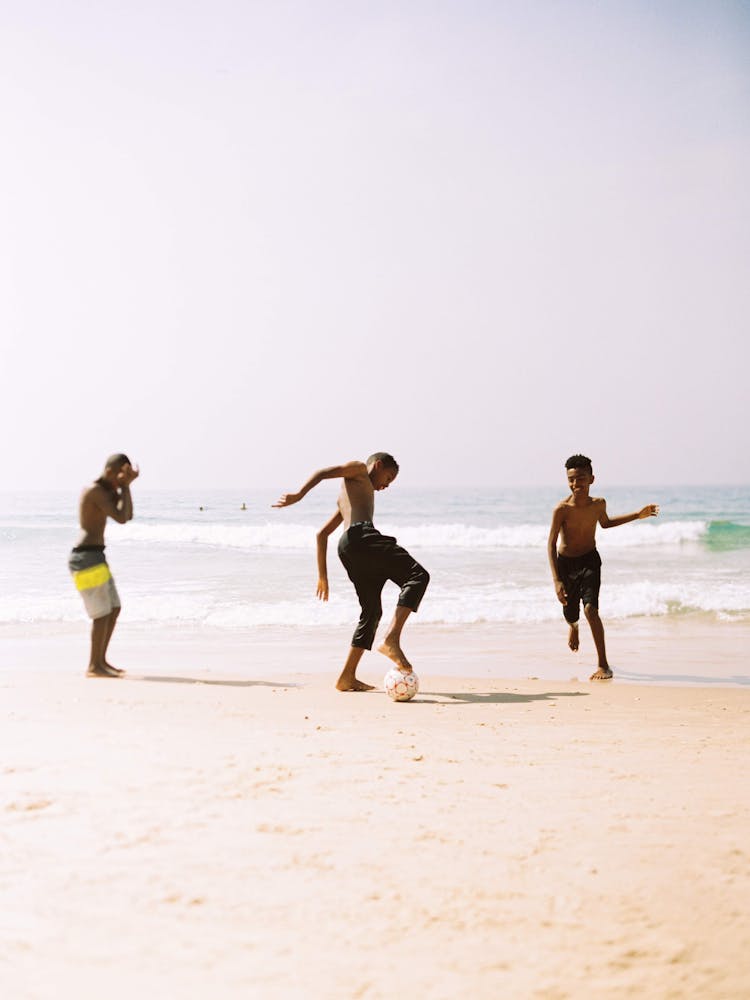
574, 521
108, 497
356, 502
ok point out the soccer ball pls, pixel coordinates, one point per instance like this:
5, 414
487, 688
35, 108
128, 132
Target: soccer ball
400, 686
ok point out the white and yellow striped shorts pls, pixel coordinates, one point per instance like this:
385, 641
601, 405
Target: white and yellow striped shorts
93, 580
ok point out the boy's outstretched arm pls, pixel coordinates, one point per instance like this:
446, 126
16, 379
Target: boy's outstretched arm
554, 531
350, 470
650, 510
322, 543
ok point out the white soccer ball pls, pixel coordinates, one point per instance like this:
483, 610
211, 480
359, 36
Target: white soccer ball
399, 685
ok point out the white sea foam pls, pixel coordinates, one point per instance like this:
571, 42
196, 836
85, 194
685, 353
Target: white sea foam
468, 605
16, 609
225, 536
521, 605
423, 536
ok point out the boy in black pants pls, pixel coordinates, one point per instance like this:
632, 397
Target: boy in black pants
368, 557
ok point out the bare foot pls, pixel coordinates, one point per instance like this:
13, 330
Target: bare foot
394, 652
115, 670
104, 671
573, 640
602, 674
344, 684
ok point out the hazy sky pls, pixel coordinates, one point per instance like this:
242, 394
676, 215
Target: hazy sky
241, 240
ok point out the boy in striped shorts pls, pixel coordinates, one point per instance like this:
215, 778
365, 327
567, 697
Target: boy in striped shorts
109, 496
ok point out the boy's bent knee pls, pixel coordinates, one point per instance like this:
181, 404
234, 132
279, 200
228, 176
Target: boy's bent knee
591, 612
413, 590
364, 634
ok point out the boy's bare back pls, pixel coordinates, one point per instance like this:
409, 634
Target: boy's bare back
92, 514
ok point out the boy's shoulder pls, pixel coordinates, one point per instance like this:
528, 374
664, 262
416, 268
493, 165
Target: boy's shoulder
356, 469
96, 492
91, 490
561, 508
595, 503
567, 503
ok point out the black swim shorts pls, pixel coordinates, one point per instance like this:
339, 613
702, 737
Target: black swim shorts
582, 578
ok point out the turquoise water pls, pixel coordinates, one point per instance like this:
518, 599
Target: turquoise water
723, 536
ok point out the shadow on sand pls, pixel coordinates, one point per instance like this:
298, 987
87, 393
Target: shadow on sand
737, 680
497, 697
206, 680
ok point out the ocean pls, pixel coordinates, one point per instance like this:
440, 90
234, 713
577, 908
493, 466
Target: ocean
197, 558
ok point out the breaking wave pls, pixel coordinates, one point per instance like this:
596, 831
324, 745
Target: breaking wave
721, 535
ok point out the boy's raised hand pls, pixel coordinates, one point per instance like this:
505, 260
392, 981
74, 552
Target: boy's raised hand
286, 499
127, 474
650, 510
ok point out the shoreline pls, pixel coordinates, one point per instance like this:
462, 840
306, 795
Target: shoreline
690, 651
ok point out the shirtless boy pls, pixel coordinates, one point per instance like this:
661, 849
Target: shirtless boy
368, 557
576, 567
109, 496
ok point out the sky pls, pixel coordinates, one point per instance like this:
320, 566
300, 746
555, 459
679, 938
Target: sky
243, 240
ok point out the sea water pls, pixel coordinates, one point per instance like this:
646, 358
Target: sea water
225, 559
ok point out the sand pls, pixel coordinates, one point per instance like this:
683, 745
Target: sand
203, 829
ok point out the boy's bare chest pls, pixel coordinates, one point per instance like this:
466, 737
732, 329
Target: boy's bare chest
580, 520
578, 531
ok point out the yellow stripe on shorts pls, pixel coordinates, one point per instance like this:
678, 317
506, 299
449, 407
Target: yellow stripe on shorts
94, 576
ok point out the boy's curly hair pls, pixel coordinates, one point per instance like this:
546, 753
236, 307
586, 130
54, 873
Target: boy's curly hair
579, 462
389, 462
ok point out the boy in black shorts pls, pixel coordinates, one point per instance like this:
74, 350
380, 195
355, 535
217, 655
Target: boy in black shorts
576, 567
370, 559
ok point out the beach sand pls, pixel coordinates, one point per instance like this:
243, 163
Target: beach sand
225, 824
